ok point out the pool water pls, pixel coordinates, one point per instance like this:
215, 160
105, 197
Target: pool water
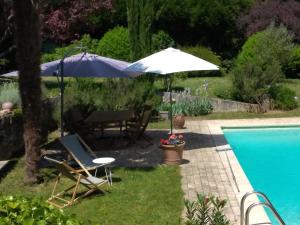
270, 157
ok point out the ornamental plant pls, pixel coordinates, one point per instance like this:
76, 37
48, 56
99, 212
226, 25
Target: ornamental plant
174, 139
207, 210
26, 211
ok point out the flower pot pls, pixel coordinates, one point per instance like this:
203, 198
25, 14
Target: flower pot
178, 121
173, 153
7, 106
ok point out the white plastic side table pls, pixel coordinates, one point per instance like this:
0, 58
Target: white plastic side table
106, 162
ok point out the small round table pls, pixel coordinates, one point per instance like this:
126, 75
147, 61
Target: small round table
106, 163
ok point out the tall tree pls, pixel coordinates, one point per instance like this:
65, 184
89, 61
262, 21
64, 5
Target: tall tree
263, 13
140, 15
28, 43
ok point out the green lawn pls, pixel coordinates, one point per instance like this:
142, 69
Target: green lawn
138, 196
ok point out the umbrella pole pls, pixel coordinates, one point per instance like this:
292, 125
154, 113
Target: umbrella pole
61, 97
171, 116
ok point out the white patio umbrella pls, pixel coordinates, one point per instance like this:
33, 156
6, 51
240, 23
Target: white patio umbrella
81, 65
170, 61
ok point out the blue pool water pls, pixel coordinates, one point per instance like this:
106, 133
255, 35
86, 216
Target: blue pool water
270, 158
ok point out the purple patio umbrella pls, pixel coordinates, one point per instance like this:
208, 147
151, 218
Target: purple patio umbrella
81, 65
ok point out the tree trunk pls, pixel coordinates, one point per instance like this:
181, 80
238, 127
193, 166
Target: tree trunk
28, 42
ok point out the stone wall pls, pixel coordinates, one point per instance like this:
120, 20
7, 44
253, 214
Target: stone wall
219, 105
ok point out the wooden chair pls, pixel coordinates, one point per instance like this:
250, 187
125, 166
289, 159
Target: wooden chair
136, 129
91, 183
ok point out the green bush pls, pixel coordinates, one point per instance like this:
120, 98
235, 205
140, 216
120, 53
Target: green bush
284, 98
25, 211
274, 42
223, 92
161, 40
85, 43
206, 54
260, 63
112, 94
10, 92
207, 210
115, 44
192, 107
292, 69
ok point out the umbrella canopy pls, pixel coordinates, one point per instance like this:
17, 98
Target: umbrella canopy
83, 65
169, 61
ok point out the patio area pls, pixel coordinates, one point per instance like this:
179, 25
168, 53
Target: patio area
206, 164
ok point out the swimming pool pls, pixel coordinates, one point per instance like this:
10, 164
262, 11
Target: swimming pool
270, 157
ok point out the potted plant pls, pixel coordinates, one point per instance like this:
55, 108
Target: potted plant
173, 149
178, 111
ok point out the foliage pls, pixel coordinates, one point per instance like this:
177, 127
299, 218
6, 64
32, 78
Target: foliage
224, 93
210, 23
284, 97
274, 41
140, 17
115, 44
206, 54
192, 107
111, 94
65, 20
10, 92
25, 211
259, 64
262, 13
207, 210
85, 43
161, 40
292, 68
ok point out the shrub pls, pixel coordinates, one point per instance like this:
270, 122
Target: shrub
20, 211
260, 63
85, 43
10, 92
192, 107
206, 54
284, 98
293, 67
274, 42
115, 44
223, 92
112, 94
206, 211
161, 40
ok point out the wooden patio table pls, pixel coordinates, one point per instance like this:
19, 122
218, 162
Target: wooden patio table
109, 119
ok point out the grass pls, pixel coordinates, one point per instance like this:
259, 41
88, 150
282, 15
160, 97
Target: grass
140, 196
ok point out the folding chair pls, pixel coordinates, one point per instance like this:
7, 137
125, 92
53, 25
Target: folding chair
83, 155
90, 182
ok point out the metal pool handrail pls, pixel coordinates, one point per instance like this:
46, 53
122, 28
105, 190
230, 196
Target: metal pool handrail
267, 203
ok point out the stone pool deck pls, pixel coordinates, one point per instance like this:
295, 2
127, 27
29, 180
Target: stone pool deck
207, 162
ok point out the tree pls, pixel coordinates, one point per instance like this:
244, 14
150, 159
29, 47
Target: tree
28, 43
66, 20
140, 16
260, 64
263, 13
